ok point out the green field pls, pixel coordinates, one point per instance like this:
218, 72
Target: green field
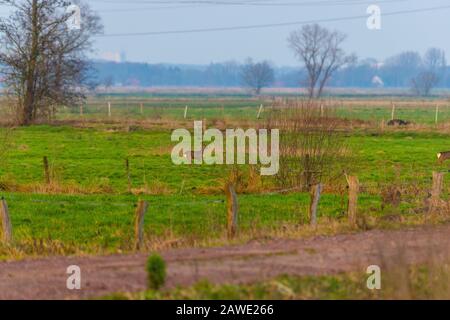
96, 157
415, 112
87, 208
212, 107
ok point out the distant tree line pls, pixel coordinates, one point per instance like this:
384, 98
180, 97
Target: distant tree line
323, 62
399, 71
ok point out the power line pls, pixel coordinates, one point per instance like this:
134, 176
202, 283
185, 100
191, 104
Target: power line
187, 2
240, 2
269, 25
285, 4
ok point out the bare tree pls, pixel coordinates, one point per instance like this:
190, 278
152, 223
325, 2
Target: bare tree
257, 75
312, 146
43, 60
108, 82
424, 82
434, 60
432, 69
401, 68
320, 51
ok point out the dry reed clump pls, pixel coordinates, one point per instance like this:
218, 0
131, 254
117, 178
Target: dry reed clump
403, 279
9, 184
30, 247
96, 186
72, 188
248, 181
155, 188
99, 186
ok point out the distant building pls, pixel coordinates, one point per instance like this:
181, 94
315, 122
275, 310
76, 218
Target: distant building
114, 56
377, 82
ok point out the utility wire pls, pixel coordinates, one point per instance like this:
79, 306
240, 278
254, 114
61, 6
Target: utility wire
269, 25
304, 4
245, 3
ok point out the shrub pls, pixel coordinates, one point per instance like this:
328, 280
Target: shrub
156, 272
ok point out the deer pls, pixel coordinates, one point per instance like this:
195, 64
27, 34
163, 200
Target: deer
443, 156
190, 156
398, 122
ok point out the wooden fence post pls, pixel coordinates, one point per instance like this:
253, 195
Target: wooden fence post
139, 224
142, 108
435, 198
232, 210
5, 221
109, 109
46, 170
437, 114
186, 112
127, 168
315, 198
81, 109
353, 190
259, 112
393, 111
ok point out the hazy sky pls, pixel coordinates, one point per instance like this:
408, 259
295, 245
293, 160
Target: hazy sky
413, 31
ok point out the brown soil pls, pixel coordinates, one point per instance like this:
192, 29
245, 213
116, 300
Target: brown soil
254, 261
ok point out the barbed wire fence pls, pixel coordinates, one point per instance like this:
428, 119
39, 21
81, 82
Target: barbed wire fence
429, 200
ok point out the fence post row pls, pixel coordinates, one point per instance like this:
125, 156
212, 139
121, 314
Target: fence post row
232, 210
5, 221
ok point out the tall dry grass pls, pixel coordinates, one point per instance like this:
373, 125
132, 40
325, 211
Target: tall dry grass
312, 145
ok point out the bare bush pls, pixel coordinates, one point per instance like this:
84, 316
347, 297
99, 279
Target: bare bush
433, 69
424, 82
311, 146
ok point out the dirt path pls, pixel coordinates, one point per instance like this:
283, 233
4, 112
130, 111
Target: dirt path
46, 278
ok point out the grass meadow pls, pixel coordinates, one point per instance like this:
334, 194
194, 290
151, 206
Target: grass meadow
88, 207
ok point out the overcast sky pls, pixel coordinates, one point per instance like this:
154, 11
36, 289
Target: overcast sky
413, 31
